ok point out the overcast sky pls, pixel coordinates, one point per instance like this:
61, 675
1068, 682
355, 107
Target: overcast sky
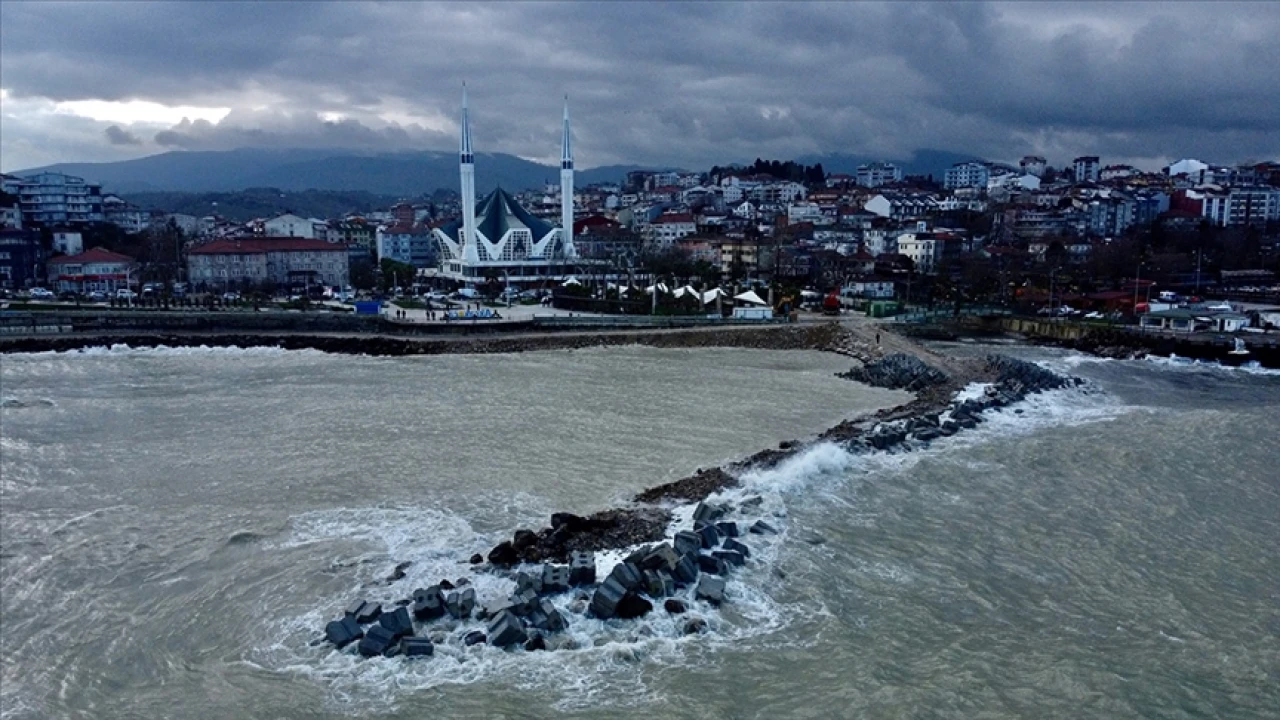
680, 84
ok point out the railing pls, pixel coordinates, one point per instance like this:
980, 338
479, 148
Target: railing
918, 315
647, 321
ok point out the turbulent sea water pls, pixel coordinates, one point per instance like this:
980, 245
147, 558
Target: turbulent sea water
177, 525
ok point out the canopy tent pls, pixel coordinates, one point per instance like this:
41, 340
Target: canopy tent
661, 288
751, 297
686, 290
711, 295
810, 294
571, 281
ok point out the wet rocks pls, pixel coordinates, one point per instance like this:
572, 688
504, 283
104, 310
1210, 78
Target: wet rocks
695, 487
504, 554
475, 637
535, 642
761, 527
620, 527
547, 617
687, 543
694, 626
604, 603
633, 605
738, 547
674, 606
898, 371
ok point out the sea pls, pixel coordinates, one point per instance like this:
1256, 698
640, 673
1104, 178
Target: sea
177, 526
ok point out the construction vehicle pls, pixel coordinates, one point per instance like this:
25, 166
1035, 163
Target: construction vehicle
831, 303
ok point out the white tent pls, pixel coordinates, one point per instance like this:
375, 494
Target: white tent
571, 281
751, 297
711, 295
686, 290
661, 288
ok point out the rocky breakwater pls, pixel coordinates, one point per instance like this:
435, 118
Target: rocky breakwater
686, 574
936, 416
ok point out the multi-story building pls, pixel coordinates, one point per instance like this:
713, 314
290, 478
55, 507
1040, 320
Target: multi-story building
1033, 165
880, 173
290, 225
94, 269
124, 215
10, 213
413, 245
1087, 168
247, 261
1110, 216
968, 174
57, 198
1255, 205
359, 235
21, 258
67, 242
668, 229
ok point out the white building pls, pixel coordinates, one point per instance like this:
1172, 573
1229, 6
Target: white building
805, 212
1087, 168
669, 229
1033, 165
68, 242
290, 225
876, 174
498, 239
1193, 169
125, 216
969, 174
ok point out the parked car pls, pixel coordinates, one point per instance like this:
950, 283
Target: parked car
230, 297
40, 294
126, 294
97, 296
1095, 315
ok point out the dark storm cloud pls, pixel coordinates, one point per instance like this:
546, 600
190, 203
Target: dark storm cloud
119, 136
684, 83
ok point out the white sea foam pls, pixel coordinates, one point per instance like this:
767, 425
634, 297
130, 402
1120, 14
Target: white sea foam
124, 350
1181, 363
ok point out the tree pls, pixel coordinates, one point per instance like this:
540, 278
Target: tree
395, 272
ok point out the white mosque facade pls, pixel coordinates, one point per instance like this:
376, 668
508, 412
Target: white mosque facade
498, 240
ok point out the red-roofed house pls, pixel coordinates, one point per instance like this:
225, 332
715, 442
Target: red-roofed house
93, 269
249, 261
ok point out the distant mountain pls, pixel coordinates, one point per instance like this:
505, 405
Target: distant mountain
408, 173
922, 162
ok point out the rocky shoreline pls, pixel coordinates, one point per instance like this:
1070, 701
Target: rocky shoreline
686, 571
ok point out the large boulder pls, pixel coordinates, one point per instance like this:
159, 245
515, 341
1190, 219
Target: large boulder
633, 605
504, 555
898, 371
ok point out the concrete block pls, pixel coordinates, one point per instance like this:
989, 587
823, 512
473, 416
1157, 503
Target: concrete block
710, 589
707, 512
737, 546
377, 641
529, 581
638, 555
417, 647
604, 603
523, 602
582, 568
633, 606
555, 579
491, 608
668, 583
653, 586
687, 543
686, 571
727, 529
460, 604
428, 604
761, 527
627, 575
712, 564
354, 608
547, 617
730, 557
343, 632
398, 622
475, 637
505, 630
662, 557
368, 613
708, 533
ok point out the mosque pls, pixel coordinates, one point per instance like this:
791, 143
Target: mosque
497, 239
